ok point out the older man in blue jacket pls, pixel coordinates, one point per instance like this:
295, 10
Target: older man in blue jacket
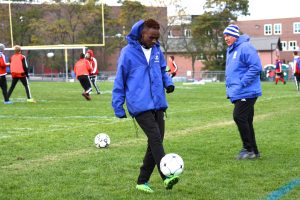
141, 81
243, 67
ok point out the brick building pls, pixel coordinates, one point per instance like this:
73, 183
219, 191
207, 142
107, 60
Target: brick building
265, 34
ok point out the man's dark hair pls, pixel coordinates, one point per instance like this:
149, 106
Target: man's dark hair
151, 23
295, 53
81, 55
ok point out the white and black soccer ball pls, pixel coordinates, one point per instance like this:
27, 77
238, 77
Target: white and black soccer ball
171, 164
102, 140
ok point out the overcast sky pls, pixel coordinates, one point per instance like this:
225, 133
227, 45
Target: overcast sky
259, 9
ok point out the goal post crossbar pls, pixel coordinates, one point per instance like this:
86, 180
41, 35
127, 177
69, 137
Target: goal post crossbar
59, 46
65, 48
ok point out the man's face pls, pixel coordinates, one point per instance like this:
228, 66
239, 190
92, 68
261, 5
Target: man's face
87, 55
229, 39
149, 37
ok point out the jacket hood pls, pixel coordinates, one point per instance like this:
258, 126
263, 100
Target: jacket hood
135, 33
90, 51
240, 40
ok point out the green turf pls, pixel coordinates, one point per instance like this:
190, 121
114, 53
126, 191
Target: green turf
47, 150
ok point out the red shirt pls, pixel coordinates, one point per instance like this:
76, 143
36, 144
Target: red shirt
82, 67
17, 65
3, 64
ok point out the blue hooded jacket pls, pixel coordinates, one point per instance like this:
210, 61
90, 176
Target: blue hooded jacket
139, 83
243, 67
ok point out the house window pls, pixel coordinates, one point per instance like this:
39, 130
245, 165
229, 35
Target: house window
170, 34
187, 33
297, 27
284, 45
268, 29
277, 29
292, 45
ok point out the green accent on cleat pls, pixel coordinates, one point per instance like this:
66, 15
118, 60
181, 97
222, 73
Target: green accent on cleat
170, 181
144, 187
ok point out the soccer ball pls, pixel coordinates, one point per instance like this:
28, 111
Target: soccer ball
50, 54
102, 140
171, 164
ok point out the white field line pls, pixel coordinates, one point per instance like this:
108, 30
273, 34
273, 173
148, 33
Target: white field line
57, 117
105, 120
50, 159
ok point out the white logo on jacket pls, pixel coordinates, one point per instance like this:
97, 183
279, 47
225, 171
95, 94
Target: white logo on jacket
156, 58
234, 55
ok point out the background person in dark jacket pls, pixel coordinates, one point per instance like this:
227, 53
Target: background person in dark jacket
243, 67
140, 80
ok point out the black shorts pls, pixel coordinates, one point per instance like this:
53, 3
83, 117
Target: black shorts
280, 74
85, 82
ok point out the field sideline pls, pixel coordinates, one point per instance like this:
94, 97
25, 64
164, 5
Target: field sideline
47, 150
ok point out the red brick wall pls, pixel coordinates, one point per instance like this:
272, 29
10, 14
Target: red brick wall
255, 28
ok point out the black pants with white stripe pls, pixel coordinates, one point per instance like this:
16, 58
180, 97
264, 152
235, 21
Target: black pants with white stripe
3, 85
243, 114
85, 83
153, 125
24, 81
297, 80
93, 79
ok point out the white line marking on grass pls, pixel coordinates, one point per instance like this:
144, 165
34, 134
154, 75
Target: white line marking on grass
268, 98
280, 192
15, 132
18, 99
45, 160
50, 159
192, 130
103, 92
184, 87
107, 92
52, 117
197, 109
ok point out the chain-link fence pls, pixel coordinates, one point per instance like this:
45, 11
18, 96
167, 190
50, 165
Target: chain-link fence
206, 76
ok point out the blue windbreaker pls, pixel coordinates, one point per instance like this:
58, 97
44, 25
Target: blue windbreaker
243, 67
139, 83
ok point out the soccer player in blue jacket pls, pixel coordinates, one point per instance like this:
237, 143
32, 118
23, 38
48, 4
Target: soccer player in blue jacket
243, 67
141, 81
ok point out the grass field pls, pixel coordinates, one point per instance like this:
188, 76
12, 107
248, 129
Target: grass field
47, 150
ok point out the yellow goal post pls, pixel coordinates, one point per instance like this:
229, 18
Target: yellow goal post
49, 47
55, 45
